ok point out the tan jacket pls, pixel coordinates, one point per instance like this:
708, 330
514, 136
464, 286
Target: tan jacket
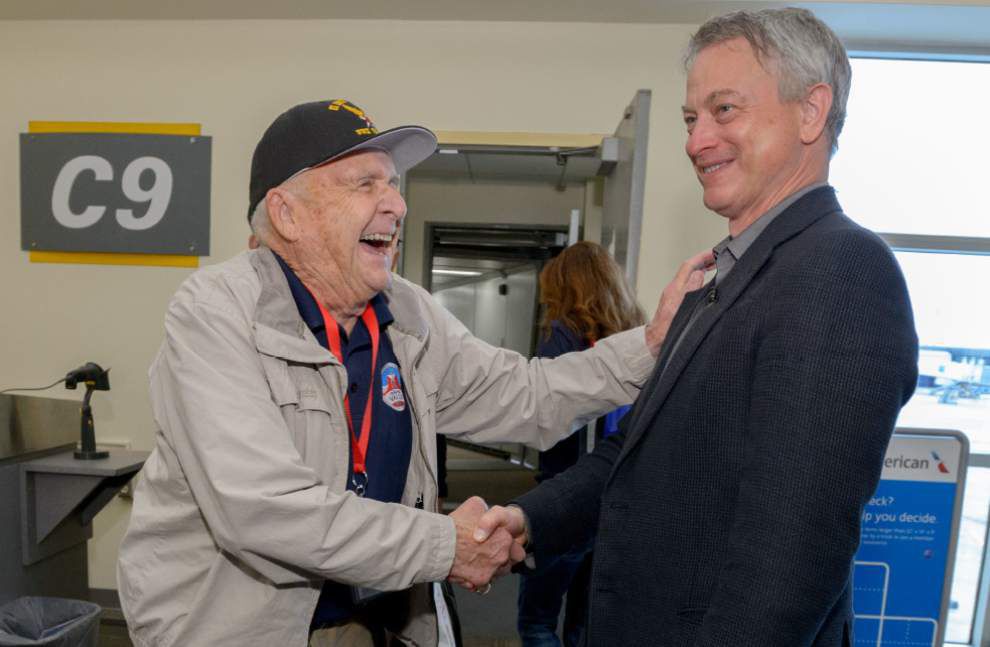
242, 509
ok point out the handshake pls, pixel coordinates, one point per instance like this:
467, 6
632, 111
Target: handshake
489, 543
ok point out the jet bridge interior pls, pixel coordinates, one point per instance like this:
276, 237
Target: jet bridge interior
485, 213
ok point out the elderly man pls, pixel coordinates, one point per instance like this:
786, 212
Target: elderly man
297, 397
728, 510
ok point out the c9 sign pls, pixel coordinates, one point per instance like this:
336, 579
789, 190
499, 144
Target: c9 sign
158, 195
116, 192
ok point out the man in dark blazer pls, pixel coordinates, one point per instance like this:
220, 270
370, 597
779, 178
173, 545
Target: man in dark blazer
728, 511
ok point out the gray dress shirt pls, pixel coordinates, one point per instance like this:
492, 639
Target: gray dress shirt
730, 250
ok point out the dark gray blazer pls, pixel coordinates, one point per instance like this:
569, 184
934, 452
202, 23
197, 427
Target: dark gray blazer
728, 510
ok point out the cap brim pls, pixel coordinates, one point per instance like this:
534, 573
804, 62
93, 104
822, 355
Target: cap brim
407, 146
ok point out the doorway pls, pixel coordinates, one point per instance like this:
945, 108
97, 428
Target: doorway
487, 276
486, 212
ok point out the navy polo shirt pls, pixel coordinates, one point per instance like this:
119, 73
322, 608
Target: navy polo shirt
390, 447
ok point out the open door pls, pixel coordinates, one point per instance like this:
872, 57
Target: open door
622, 209
485, 212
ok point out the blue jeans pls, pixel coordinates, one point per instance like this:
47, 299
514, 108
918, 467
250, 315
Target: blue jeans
541, 593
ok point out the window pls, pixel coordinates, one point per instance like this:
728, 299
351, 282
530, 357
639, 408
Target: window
912, 155
911, 167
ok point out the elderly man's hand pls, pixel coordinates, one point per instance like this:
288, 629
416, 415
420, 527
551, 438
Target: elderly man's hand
477, 561
690, 276
509, 519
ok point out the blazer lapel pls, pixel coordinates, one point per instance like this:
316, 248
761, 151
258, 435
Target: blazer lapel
691, 301
795, 219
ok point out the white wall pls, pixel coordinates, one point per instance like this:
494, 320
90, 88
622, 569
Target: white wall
462, 302
520, 306
501, 320
234, 77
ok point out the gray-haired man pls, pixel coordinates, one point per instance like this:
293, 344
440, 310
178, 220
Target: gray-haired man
728, 510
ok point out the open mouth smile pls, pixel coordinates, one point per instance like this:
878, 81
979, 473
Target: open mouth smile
378, 243
712, 168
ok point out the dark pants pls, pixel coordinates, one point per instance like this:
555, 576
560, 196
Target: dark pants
541, 593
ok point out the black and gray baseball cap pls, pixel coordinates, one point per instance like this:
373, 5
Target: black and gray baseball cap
313, 134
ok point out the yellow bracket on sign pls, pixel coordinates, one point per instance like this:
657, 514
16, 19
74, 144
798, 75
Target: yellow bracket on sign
106, 258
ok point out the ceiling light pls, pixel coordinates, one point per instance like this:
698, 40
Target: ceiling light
456, 272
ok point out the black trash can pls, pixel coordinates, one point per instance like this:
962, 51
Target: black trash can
52, 622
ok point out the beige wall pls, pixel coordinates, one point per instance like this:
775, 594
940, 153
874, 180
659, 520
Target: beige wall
234, 77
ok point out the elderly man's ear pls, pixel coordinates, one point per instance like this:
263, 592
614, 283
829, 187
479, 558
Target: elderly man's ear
284, 209
814, 112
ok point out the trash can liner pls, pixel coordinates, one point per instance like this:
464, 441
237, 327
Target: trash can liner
52, 622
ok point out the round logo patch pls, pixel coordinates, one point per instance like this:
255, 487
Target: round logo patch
392, 387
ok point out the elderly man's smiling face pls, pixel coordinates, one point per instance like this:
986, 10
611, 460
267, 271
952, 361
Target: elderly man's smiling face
349, 228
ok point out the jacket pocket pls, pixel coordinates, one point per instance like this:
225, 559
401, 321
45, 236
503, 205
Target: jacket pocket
303, 398
317, 421
311, 391
277, 373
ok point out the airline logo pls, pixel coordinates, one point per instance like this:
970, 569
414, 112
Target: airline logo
941, 466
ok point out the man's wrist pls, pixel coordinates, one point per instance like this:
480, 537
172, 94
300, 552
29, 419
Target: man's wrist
445, 536
526, 526
654, 338
530, 561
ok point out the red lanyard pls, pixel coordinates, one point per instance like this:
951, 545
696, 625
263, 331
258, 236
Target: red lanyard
359, 446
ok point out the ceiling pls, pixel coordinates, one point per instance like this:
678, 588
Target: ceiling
504, 10
946, 25
544, 164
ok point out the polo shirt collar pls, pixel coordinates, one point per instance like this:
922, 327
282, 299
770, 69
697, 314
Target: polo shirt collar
310, 311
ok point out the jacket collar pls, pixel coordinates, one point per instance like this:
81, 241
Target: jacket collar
796, 218
281, 331
407, 309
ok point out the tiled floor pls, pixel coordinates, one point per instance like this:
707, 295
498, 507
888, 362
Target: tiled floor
113, 635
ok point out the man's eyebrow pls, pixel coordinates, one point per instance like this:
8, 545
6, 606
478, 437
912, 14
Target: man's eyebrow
719, 95
359, 175
714, 97
362, 175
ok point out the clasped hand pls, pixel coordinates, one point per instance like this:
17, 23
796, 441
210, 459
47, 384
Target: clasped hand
489, 543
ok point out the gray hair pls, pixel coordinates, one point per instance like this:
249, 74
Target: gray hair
261, 226
803, 49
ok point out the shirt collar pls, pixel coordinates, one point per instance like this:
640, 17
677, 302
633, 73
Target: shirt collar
380, 304
738, 245
310, 311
